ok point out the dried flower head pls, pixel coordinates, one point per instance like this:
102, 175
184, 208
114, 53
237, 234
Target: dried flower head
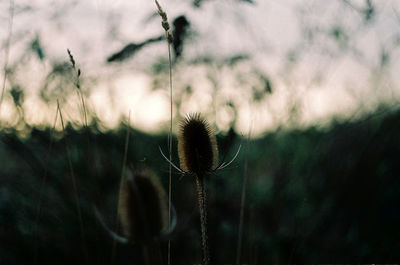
142, 207
197, 146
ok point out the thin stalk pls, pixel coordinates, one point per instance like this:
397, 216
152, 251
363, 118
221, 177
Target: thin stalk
7, 51
170, 152
202, 199
146, 255
85, 121
79, 91
75, 187
242, 204
78, 86
152, 253
40, 190
121, 184
168, 35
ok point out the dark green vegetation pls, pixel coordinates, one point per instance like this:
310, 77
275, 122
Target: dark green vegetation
314, 195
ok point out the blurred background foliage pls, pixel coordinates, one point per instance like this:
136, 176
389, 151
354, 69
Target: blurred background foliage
320, 188
278, 63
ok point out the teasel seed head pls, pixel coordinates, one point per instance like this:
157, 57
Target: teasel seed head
197, 146
142, 207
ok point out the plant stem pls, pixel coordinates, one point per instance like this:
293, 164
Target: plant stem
170, 151
152, 253
202, 198
41, 187
242, 203
121, 184
7, 51
75, 187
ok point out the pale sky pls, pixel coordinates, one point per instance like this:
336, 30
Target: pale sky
324, 81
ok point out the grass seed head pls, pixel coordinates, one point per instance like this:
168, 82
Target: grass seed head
164, 22
197, 146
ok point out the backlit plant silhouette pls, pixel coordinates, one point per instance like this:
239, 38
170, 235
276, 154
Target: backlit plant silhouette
198, 156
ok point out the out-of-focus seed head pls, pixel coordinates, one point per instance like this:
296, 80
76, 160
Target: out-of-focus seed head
142, 207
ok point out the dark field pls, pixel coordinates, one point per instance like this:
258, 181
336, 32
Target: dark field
314, 195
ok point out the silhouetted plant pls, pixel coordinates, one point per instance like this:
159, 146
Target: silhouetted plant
198, 155
143, 213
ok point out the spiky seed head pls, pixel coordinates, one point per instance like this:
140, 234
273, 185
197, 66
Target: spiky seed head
142, 207
197, 146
